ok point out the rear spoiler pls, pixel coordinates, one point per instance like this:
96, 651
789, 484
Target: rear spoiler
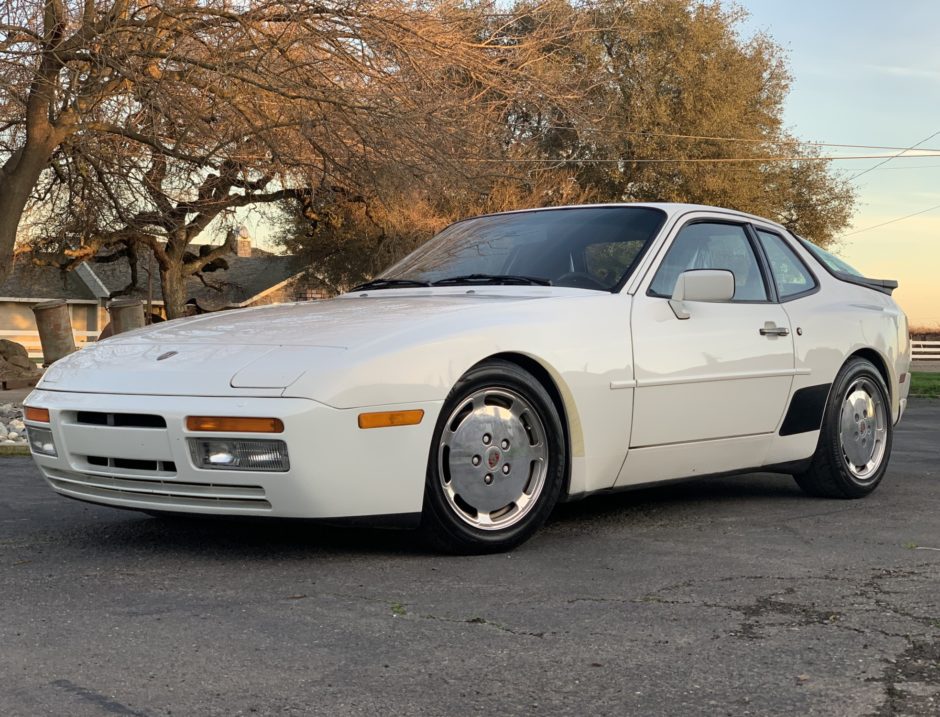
885, 286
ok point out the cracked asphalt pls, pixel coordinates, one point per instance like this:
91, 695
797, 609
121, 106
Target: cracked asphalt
724, 596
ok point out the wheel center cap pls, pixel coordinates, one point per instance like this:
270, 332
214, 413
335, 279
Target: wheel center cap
492, 457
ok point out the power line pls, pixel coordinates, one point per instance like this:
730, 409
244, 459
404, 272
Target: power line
903, 152
895, 169
630, 160
891, 221
880, 169
669, 135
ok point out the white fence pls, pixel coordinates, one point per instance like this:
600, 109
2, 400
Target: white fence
925, 350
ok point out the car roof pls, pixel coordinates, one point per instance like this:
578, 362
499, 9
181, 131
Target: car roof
672, 209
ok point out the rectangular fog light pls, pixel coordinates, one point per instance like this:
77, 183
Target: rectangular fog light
239, 455
40, 441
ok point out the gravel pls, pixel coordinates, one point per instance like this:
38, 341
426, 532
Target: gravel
12, 428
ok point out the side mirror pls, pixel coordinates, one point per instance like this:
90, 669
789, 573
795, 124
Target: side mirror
701, 285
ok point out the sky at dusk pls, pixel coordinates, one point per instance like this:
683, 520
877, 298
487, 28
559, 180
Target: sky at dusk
868, 73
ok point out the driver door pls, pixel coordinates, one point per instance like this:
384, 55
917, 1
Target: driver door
727, 370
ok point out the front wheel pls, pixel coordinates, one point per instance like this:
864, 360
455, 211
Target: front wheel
855, 440
497, 461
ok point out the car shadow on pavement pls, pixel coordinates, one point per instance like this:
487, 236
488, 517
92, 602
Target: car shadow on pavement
256, 538
262, 538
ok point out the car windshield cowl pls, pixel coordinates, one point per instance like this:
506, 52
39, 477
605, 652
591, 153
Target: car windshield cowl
389, 284
491, 279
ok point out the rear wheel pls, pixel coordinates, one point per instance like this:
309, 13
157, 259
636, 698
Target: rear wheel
497, 461
855, 440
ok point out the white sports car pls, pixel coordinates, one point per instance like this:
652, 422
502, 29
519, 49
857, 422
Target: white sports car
513, 361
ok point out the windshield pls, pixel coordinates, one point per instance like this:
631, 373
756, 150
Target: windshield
584, 247
831, 261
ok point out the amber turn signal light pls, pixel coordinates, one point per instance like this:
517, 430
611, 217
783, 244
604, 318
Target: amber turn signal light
39, 415
225, 424
385, 419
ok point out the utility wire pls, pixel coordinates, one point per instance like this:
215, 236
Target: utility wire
880, 169
630, 160
891, 221
895, 169
903, 152
757, 141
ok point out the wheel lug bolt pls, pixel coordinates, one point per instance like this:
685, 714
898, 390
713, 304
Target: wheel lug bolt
488, 478
486, 439
504, 444
475, 460
506, 468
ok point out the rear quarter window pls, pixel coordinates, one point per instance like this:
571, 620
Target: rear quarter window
790, 274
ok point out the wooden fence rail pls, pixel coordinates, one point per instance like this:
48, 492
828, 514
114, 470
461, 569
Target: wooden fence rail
925, 350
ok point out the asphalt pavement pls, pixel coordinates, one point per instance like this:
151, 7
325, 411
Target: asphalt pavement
728, 596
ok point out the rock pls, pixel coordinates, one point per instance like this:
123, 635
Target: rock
15, 362
13, 435
10, 350
16, 425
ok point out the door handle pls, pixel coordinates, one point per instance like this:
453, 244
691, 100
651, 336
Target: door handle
771, 329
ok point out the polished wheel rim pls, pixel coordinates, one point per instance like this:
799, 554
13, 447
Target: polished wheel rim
493, 459
864, 429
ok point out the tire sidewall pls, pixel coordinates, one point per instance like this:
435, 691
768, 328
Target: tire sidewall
848, 483
458, 535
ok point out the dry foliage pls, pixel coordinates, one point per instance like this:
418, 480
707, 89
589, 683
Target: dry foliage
127, 123
130, 122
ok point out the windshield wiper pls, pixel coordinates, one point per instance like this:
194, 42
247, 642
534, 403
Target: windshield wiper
388, 284
491, 279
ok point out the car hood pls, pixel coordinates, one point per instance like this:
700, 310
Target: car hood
264, 350
345, 322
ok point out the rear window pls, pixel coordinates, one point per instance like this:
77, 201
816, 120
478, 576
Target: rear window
831, 261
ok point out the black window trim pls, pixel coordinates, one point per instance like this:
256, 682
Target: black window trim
770, 286
808, 292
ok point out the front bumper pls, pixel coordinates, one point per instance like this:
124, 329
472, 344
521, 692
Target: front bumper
337, 470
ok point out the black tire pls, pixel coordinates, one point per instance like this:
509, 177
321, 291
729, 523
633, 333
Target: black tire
832, 474
460, 475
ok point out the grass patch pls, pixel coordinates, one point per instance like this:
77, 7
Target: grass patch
14, 451
925, 384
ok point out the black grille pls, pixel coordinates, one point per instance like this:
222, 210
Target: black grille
120, 420
132, 464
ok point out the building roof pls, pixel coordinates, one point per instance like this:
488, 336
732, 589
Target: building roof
28, 281
245, 279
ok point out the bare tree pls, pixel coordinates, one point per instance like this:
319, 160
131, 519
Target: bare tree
131, 122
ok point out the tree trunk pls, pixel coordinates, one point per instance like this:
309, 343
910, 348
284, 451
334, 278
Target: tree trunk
173, 284
17, 179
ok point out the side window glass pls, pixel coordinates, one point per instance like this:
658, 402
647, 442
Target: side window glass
790, 275
712, 246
